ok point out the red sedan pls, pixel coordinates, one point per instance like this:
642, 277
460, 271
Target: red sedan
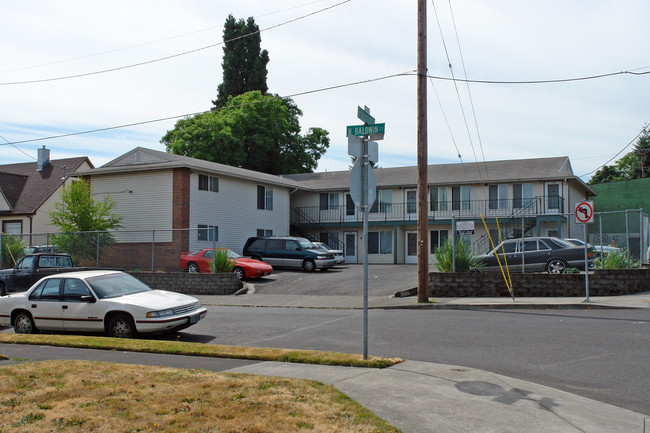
199, 261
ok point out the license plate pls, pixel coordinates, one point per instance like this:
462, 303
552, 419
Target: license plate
194, 319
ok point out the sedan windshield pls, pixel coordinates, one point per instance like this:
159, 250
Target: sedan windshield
116, 285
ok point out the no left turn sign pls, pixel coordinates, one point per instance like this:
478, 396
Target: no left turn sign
584, 212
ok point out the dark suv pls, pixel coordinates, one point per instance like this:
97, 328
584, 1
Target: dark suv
288, 251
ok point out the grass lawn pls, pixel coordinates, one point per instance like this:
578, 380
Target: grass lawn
83, 396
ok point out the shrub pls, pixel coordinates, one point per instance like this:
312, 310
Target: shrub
221, 262
466, 261
616, 260
13, 248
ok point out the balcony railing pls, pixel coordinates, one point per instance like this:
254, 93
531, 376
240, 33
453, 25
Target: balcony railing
312, 215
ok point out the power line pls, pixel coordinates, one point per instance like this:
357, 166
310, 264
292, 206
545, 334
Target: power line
162, 119
148, 62
614, 157
562, 80
18, 149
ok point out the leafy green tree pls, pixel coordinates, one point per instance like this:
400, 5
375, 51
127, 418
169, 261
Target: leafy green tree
253, 131
83, 221
642, 149
244, 62
632, 165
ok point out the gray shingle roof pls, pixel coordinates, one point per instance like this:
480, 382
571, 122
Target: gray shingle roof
524, 170
26, 189
144, 159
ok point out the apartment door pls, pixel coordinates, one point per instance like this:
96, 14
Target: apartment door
350, 209
350, 247
411, 204
411, 254
553, 198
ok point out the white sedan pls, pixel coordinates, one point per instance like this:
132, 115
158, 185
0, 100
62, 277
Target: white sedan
111, 302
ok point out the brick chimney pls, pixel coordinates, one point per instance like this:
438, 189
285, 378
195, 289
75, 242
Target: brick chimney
43, 158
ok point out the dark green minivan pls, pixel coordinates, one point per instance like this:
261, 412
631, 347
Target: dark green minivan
288, 251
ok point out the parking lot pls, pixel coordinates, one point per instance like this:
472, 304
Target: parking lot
342, 280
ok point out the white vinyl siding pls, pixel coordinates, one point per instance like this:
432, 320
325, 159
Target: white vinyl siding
144, 199
234, 211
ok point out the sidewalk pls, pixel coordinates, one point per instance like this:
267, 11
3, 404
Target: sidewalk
417, 397
252, 299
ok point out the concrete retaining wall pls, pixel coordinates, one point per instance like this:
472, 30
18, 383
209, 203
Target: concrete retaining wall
602, 282
191, 284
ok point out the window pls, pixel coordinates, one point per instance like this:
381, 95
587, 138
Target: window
47, 291
438, 199
264, 232
74, 289
460, 197
384, 201
329, 200
264, 197
438, 238
208, 183
208, 233
498, 196
12, 227
522, 195
380, 242
507, 247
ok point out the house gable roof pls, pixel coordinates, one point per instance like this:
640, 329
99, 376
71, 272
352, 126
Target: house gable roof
143, 159
24, 188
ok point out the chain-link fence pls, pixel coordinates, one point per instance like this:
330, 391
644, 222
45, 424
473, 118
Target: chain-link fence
147, 250
617, 239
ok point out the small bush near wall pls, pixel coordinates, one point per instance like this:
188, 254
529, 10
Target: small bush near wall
191, 284
602, 282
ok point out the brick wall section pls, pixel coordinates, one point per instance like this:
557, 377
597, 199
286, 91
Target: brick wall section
191, 284
602, 282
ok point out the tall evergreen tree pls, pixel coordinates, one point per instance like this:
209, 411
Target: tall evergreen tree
244, 63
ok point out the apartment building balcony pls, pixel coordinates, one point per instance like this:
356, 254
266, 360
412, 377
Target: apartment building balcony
404, 212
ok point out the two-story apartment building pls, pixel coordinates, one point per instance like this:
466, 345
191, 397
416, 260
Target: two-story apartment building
171, 204
538, 193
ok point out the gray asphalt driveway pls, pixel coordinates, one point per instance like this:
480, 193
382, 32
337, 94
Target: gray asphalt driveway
342, 280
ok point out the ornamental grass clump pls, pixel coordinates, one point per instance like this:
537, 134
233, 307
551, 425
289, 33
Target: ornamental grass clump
466, 261
221, 262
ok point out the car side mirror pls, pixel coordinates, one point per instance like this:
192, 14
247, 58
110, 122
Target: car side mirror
88, 298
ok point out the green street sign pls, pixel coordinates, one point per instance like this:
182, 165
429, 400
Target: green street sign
361, 130
365, 116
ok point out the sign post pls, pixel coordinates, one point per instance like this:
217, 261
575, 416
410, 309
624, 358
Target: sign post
584, 213
362, 187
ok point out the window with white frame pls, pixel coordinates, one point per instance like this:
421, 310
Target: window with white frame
438, 238
460, 198
329, 200
522, 195
498, 196
12, 227
383, 202
208, 183
264, 232
438, 198
208, 233
264, 197
380, 242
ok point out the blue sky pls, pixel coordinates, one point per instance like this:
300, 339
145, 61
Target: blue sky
589, 121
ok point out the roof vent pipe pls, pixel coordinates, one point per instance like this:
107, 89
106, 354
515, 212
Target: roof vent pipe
43, 158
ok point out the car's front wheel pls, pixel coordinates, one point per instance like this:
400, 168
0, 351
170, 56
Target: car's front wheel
121, 326
556, 267
192, 268
239, 273
309, 265
24, 324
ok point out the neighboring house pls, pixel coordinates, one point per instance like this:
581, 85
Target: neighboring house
538, 194
28, 192
176, 204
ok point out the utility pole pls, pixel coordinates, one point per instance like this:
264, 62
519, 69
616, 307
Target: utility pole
423, 245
